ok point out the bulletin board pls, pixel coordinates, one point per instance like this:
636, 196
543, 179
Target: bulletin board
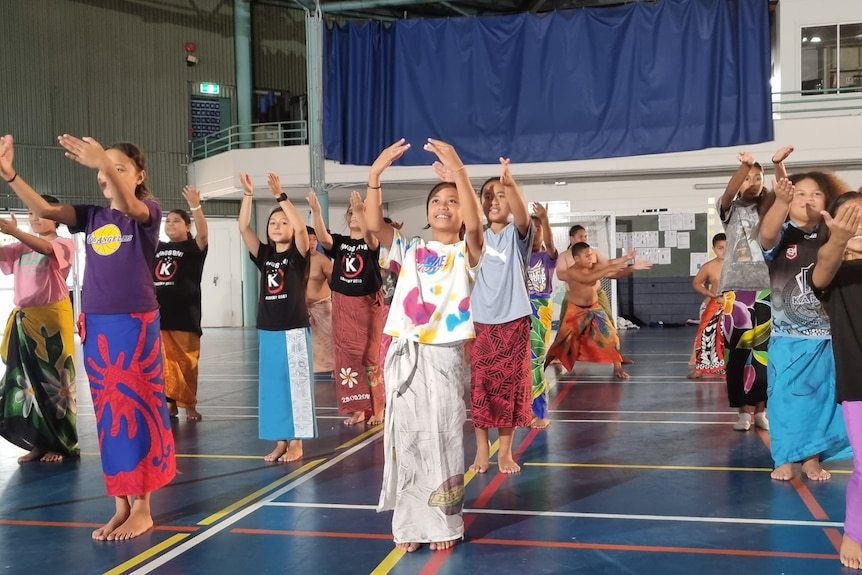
677, 244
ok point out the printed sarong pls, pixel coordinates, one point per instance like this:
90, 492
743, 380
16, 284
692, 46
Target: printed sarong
320, 313
500, 375
123, 358
709, 343
746, 328
37, 392
585, 334
423, 441
540, 339
804, 419
182, 351
286, 394
357, 322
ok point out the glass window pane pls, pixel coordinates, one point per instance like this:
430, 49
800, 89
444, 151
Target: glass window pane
819, 65
850, 65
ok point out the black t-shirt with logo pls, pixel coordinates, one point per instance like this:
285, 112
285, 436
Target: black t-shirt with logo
177, 277
355, 266
842, 299
283, 277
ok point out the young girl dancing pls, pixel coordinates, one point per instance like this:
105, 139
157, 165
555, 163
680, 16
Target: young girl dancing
286, 397
837, 282
425, 372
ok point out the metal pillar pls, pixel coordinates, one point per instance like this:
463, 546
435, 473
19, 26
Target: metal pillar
243, 64
314, 72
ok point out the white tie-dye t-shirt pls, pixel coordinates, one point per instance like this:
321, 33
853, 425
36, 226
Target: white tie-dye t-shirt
432, 299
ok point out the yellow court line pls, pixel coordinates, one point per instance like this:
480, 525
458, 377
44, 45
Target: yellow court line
141, 557
262, 491
360, 437
663, 467
396, 554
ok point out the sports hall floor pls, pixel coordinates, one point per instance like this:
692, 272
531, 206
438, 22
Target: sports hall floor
645, 476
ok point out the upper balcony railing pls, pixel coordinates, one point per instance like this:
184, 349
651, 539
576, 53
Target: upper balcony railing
260, 136
798, 104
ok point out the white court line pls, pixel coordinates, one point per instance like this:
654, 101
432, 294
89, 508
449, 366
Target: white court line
632, 411
198, 538
586, 515
649, 421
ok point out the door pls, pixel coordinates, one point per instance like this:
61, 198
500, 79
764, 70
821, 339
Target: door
221, 284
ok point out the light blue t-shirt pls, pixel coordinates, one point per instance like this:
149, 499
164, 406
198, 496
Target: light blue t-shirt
500, 294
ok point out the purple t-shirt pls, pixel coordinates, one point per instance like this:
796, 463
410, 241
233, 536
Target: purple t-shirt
121, 253
539, 274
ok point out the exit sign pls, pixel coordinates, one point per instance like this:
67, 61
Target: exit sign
210, 88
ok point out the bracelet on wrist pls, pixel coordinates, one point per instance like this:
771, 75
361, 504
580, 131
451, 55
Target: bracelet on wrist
196, 208
13, 178
370, 187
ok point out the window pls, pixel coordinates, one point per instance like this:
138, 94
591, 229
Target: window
831, 59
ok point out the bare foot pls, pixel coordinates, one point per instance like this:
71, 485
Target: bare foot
138, 523
193, 414
811, 468
694, 374
275, 454
783, 472
294, 451
375, 419
442, 545
620, 374
173, 410
507, 464
628, 360
103, 532
483, 457
357, 417
407, 547
850, 553
52, 457
538, 423
35, 453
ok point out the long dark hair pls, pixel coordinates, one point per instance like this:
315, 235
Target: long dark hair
134, 153
833, 211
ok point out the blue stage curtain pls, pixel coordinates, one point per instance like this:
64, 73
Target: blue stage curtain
593, 83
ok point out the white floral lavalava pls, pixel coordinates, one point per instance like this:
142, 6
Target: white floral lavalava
26, 396
61, 393
348, 377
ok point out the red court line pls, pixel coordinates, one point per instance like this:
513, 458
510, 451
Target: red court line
557, 544
440, 557
658, 549
29, 523
808, 499
335, 534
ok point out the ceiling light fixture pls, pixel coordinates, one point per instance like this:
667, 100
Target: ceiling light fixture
815, 39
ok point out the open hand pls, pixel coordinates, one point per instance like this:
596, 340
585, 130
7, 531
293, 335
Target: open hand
7, 155
192, 196
86, 151
8, 226
845, 224
313, 202
245, 180
388, 156
784, 190
445, 153
746, 158
541, 211
274, 184
782, 154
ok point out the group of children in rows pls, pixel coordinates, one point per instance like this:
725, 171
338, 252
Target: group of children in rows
468, 282
782, 321
140, 326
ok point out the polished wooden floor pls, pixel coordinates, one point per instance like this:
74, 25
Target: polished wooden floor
645, 476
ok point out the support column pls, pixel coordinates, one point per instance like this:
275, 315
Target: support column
314, 74
243, 64
250, 279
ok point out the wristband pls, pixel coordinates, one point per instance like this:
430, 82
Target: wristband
13, 178
281, 197
370, 187
195, 209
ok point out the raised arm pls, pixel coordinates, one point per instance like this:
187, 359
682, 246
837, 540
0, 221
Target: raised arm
547, 234
300, 233
35, 243
374, 194
90, 153
471, 209
249, 236
323, 235
358, 207
517, 203
773, 220
841, 230
778, 161
62, 213
746, 161
193, 197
